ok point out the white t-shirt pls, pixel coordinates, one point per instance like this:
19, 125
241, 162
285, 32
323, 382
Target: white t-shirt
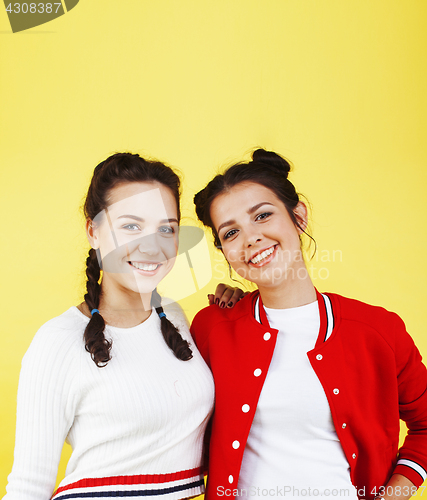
292, 448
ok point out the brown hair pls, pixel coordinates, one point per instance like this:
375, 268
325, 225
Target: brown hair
117, 169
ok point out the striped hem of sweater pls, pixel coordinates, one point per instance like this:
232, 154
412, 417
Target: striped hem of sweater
173, 485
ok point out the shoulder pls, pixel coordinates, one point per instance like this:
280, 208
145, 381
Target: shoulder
53, 360
214, 314
356, 310
174, 312
69, 322
366, 316
58, 336
212, 317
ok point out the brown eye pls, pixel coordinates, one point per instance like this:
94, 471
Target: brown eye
230, 233
263, 216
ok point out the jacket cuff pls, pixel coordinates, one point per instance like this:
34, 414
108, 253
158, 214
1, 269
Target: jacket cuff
411, 470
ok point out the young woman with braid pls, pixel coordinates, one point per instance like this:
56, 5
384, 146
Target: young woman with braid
309, 387
117, 377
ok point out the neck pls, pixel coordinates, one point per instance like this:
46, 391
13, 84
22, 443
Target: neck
292, 292
124, 308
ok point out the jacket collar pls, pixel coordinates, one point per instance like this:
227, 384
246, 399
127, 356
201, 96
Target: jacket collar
325, 310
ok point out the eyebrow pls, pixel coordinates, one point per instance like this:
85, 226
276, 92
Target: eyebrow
250, 211
139, 219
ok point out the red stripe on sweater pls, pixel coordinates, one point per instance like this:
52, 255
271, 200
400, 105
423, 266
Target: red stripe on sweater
140, 479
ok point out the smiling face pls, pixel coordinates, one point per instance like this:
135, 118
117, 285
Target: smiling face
136, 236
258, 237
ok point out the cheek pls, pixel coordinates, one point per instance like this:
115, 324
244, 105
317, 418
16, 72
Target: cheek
287, 231
118, 243
110, 251
232, 254
115, 254
106, 241
114, 261
169, 248
129, 247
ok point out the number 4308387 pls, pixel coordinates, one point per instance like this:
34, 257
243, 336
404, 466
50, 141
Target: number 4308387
33, 8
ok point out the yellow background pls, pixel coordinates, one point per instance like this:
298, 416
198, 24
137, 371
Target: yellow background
337, 86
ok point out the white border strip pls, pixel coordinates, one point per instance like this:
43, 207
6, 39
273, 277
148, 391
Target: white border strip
413, 465
257, 317
329, 315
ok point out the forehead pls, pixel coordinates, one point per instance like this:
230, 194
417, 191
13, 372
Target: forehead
240, 198
144, 199
147, 200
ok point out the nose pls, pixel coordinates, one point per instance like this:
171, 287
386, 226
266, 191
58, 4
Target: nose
149, 245
252, 238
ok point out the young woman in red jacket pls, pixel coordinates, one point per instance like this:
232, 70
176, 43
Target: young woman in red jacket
309, 387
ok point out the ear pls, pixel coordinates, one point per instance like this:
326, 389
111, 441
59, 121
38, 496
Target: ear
300, 212
91, 234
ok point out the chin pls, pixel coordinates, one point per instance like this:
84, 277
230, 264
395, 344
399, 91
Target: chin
146, 289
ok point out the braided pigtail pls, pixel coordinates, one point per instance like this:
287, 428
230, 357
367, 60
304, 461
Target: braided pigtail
95, 342
119, 169
172, 337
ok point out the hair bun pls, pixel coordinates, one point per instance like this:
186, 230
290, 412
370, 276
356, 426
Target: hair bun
199, 201
200, 197
272, 159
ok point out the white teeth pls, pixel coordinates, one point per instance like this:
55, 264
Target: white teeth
145, 267
263, 255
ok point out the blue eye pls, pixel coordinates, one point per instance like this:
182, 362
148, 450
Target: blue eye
263, 216
131, 227
167, 230
229, 234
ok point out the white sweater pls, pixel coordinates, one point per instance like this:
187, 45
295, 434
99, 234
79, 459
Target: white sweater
142, 416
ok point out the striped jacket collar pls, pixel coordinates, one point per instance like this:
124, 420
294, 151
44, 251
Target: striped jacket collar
325, 310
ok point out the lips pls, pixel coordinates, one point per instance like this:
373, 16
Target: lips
263, 256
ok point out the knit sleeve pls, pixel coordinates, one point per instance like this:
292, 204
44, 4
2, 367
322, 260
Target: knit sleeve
175, 313
412, 380
45, 411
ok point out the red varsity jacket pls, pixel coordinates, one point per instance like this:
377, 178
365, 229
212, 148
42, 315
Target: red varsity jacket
370, 370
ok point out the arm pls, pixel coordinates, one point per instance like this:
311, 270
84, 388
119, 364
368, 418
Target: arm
206, 445
398, 488
44, 416
200, 332
411, 469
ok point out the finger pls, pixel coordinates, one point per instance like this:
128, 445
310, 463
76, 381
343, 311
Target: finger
211, 298
237, 295
226, 296
219, 293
